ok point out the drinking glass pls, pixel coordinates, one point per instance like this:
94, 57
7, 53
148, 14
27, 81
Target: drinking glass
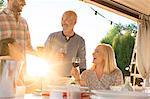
62, 50
76, 61
61, 54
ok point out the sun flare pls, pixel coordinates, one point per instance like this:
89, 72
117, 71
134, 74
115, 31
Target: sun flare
36, 66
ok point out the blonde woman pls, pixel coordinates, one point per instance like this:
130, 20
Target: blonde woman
104, 72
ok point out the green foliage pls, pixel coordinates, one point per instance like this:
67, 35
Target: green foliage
111, 34
122, 43
1, 3
123, 46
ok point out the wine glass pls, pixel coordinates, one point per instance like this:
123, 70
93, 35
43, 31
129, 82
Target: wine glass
61, 54
62, 50
76, 61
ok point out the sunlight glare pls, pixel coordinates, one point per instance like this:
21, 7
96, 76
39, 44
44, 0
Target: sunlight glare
36, 66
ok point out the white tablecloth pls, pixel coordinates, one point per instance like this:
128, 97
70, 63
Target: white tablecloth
109, 94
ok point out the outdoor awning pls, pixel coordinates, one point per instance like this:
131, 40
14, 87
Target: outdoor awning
128, 8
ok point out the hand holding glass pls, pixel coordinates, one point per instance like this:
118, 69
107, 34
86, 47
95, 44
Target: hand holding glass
62, 51
61, 54
75, 63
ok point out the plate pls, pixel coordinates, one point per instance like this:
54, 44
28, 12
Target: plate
109, 94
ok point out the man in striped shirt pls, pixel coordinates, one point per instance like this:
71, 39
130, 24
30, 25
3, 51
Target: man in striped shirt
12, 25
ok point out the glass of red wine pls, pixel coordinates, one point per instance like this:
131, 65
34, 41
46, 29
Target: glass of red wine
76, 61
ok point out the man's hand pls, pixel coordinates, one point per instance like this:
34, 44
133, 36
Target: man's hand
60, 56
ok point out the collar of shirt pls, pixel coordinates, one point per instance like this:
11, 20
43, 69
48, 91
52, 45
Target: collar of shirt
68, 38
8, 11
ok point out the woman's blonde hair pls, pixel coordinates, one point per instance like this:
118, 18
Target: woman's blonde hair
109, 59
